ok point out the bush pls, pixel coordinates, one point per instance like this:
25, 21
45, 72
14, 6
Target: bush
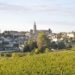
1, 54
7, 54
15, 55
37, 51
18, 54
21, 54
47, 50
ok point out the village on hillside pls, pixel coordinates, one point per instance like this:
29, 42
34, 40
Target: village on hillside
13, 41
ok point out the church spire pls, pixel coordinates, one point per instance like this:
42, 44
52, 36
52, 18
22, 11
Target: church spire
35, 27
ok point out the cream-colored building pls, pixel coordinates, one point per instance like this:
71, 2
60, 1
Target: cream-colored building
70, 35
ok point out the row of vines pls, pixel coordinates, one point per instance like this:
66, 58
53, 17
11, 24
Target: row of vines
54, 63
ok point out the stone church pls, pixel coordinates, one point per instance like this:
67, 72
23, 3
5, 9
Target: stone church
35, 32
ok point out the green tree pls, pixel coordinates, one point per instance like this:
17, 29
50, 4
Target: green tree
29, 46
61, 45
42, 41
30, 43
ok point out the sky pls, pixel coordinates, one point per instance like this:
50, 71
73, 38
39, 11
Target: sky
19, 15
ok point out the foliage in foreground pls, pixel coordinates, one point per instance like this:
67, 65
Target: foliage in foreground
54, 63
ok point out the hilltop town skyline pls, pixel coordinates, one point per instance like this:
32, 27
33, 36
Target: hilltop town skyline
37, 28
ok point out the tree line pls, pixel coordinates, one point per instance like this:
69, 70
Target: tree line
43, 43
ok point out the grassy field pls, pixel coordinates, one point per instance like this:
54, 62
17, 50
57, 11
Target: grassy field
53, 63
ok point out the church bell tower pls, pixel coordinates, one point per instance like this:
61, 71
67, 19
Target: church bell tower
34, 27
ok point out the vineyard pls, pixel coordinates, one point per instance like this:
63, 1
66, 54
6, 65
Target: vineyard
53, 63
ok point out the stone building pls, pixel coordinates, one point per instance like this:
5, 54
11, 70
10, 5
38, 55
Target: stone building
34, 32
